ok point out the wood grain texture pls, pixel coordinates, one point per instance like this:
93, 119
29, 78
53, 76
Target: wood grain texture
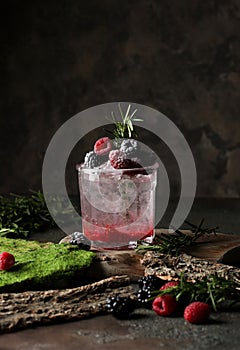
210, 246
21, 310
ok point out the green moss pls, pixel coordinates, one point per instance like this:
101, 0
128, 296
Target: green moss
40, 264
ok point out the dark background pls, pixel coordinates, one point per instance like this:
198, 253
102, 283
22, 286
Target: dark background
179, 57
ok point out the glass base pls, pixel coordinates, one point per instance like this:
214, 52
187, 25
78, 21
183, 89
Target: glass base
131, 245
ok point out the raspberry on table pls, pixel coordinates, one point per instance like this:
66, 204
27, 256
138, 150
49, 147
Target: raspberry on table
102, 146
169, 285
7, 260
164, 305
197, 312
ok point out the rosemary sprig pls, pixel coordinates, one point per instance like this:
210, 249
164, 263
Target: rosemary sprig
200, 229
178, 241
214, 290
21, 215
125, 127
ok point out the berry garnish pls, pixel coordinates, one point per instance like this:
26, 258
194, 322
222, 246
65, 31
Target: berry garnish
102, 146
116, 154
118, 160
93, 160
197, 312
169, 285
164, 305
129, 147
120, 306
7, 260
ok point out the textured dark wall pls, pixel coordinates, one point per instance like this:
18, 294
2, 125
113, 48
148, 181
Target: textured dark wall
179, 57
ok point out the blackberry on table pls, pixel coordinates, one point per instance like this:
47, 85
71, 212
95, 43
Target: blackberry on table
120, 306
150, 282
79, 239
93, 160
147, 285
143, 296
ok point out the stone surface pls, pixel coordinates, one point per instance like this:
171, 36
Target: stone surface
181, 58
145, 330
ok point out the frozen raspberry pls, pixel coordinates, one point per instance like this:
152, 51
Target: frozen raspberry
102, 146
115, 154
7, 260
164, 305
197, 312
118, 160
169, 285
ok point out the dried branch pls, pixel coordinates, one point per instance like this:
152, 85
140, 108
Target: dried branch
21, 310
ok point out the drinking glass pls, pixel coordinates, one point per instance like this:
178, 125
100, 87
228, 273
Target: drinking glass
117, 205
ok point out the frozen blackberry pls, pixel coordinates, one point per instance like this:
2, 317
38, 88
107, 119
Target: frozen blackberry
138, 152
93, 160
78, 238
120, 306
129, 147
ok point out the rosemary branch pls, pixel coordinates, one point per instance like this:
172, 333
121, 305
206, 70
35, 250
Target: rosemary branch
178, 241
21, 215
124, 128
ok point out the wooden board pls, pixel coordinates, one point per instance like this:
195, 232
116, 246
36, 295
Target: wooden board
210, 247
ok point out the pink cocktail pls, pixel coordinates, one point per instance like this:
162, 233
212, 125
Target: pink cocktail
117, 205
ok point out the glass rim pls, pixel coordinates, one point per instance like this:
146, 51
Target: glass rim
81, 167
